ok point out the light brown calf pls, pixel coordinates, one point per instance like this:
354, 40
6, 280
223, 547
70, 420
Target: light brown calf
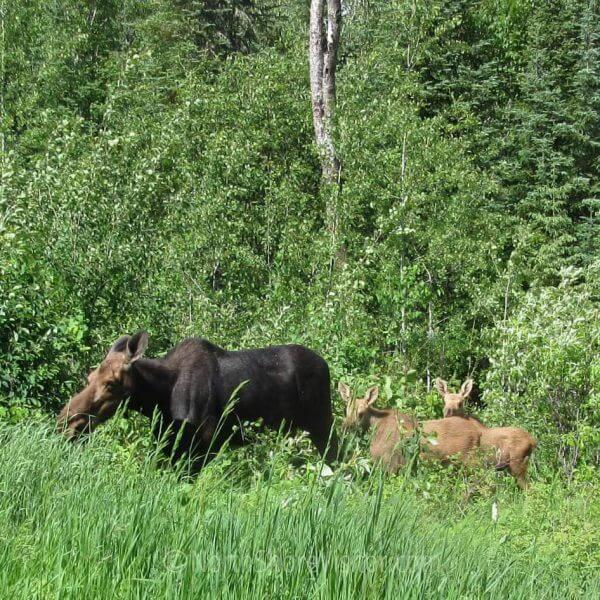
510, 447
391, 426
451, 437
442, 438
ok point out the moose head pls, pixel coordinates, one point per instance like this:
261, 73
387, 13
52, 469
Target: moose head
454, 404
357, 409
108, 385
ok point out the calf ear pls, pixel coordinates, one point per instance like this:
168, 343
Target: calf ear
371, 395
121, 344
441, 386
344, 391
136, 346
466, 388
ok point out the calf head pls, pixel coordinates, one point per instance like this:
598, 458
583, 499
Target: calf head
454, 404
357, 409
108, 385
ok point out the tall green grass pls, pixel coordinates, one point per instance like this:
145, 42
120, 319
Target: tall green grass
76, 523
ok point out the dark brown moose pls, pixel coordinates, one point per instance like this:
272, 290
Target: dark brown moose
191, 387
509, 447
442, 438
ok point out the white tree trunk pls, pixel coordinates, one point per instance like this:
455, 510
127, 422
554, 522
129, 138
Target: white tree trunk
323, 61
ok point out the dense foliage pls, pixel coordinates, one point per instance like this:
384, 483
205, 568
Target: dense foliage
159, 172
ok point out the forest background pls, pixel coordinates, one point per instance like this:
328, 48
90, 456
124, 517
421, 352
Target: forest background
159, 172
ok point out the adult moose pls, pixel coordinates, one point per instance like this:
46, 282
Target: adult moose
511, 447
191, 388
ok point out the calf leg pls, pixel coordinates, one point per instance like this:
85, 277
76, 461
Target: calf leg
518, 469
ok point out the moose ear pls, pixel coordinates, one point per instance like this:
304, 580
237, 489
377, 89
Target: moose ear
136, 346
466, 388
441, 386
344, 391
371, 395
121, 344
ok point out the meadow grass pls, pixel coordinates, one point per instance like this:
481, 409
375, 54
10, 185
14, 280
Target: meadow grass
76, 523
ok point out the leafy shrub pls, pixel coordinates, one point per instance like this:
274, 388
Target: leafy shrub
42, 330
545, 374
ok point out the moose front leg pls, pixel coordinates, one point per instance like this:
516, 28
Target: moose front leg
194, 444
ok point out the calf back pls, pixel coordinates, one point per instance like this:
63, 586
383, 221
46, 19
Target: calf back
450, 436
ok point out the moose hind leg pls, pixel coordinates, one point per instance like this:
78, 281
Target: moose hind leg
325, 440
518, 469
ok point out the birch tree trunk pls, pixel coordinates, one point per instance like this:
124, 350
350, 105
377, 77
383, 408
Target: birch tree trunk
322, 57
323, 46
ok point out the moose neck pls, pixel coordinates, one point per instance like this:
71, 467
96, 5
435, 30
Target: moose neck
474, 420
152, 385
375, 415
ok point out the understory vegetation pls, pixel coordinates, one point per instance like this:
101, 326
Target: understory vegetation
89, 522
159, 172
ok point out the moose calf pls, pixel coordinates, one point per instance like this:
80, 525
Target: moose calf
510, 446
390, 426
443, 438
